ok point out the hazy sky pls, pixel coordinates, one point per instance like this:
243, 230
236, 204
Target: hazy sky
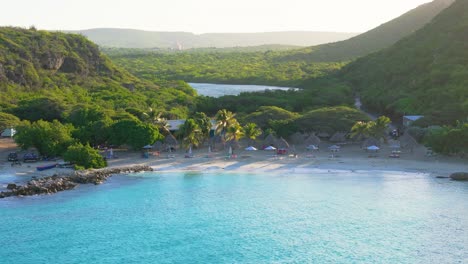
201, 16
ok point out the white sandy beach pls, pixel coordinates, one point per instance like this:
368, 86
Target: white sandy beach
349, 158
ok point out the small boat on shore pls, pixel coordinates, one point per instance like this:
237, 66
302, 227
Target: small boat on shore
46, 167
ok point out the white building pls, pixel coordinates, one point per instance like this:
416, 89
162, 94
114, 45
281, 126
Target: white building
9, 132
407, 120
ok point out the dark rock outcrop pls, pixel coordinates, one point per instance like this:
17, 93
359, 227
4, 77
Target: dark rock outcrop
51, 61
459, 176
56, 183
11, 186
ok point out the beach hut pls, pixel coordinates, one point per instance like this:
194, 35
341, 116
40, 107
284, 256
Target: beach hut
312, 140
158, 145
234, 144
171, 142
283, 146
282, 143
323, 135
338, 137
217, 141
270, 140
369, 142
297, 138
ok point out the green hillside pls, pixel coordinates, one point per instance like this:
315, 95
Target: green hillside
272, 67
374, 40
425, 73
132, 38
60, 71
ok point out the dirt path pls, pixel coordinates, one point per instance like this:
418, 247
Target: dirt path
7, 145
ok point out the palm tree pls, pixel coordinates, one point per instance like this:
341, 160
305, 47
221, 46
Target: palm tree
374, 129
234, 132
191, 133
251, 131
154, 117
360, 129
204, 123
224, 120
379, 127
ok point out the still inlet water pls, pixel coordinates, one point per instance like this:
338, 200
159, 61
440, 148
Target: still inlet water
365, 217
217, 90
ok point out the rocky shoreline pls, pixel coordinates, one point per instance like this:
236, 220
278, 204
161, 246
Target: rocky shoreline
57, 183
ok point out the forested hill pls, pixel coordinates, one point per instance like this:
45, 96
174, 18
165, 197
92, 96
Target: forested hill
44, 75
132, 38
425, 73
39, 59
374, 40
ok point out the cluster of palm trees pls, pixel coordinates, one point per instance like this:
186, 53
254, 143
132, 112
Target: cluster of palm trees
375, 129
196, 129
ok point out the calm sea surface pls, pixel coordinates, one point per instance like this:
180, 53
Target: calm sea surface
217, 90
368, 217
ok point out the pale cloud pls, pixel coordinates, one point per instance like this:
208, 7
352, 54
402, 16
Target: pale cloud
205, 15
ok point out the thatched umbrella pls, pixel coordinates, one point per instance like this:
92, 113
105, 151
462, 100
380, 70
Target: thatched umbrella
338, 137
270, 140
312, 140
297, 138
170, 141
370, 142
282, 144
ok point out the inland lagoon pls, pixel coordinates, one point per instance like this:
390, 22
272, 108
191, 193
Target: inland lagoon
235, 217
217, 90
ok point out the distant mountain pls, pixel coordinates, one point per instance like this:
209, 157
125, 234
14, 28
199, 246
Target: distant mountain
131, 38
425, 73
374, 40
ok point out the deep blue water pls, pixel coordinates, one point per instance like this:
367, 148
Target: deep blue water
217, 90
242, 218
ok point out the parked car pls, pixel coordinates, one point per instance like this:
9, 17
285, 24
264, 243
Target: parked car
13, 156
30, 157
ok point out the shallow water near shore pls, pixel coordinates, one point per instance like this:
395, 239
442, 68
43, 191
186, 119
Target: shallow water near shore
365, 217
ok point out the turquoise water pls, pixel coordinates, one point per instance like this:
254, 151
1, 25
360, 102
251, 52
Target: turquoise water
242, 218
217, 90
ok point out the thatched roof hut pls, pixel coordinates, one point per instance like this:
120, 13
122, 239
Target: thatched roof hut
270, 140
370, 142
323, 135
170, 140
217, 142
338, 137
158, 145
234, 144
312, 140
283, 144
407, 141
297, 138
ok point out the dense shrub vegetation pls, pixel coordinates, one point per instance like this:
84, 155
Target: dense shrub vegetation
60, 91
425, 73
84, 157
